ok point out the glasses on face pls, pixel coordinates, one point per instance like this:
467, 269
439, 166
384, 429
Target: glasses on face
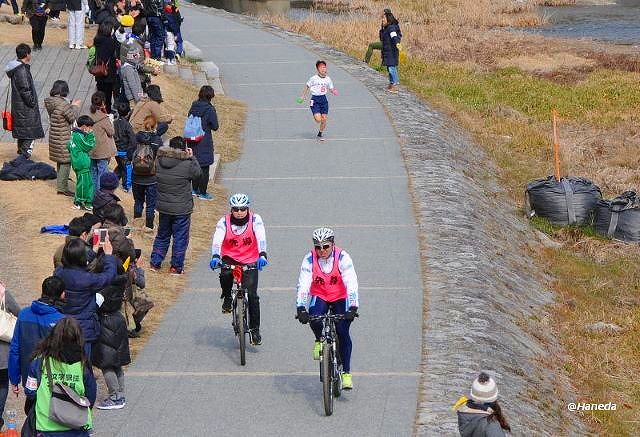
322, 246
236, 209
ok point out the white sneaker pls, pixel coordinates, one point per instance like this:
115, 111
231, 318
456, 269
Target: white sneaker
72, 46
81, 46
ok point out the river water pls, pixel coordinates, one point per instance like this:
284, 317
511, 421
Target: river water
615, 21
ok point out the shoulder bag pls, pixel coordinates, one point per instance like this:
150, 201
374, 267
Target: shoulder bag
66, 407
7, 117
7, 322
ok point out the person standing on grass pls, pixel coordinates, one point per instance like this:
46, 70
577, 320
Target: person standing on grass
390, 37
145, 183
27, 124
60, 358
62, 115
319, 85
131, 84
105, 145
13, 308
157, 33
111, 351
82, 143
33, 324
38, 12
75, 24
175, 170
203, 150
56, 7
81, 286
105, 45
151, 105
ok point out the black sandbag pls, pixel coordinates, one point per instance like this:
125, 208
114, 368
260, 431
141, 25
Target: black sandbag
570, 201
619, 218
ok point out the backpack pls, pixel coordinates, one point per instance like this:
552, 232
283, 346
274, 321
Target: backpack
91, 58
144, 163
193, 131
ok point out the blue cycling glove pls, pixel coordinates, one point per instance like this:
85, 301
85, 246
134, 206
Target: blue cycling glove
215, 262
262, 262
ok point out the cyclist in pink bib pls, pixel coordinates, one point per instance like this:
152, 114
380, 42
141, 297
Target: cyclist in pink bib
240, 239
328, 276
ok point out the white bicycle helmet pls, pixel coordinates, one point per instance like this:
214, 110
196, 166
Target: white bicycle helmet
321, 235
239, 200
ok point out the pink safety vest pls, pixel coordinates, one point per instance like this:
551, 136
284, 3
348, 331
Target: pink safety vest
327, 286
241, 248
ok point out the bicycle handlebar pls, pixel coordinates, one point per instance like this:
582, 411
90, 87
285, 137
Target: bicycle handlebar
328, 316
245, 267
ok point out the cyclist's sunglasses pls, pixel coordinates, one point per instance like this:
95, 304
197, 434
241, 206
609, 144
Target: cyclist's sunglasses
236, 209
322, 247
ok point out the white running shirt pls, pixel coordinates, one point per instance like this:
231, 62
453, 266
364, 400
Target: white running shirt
319, 86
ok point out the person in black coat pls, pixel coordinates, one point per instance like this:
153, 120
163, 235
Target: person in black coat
111, 351
203, 150
390, 37
106, 50
27, 124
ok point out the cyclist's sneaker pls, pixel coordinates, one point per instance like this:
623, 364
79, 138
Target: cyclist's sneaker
317, 350
255, 337
347, 383
226, 305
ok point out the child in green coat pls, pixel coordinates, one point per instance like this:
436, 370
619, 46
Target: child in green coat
82, 142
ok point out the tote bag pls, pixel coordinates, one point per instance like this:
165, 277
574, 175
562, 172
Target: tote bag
7, 322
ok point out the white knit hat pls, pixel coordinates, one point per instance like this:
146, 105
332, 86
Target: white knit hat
484, 389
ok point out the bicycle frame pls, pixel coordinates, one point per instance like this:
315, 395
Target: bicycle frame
330, 373
239, 295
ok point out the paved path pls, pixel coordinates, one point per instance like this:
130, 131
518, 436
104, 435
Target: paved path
47, 66
187, 380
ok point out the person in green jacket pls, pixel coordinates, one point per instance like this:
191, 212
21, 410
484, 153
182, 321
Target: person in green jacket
63, 353
82, 142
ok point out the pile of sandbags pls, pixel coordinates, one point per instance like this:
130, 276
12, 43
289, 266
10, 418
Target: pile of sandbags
569, 201
619, 218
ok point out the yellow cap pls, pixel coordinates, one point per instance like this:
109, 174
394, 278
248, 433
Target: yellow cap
127, 21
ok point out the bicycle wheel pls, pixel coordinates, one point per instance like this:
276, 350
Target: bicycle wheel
337, 370
327, 380
240, 317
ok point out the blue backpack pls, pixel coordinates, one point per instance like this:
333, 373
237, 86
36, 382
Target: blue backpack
193, 131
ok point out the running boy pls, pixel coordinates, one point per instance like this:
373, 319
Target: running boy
319, 84
82, 142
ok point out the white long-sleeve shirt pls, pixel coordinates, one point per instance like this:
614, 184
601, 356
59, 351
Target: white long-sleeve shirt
221, 231
347, 271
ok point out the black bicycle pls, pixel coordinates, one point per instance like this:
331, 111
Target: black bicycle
239, 305
330, 360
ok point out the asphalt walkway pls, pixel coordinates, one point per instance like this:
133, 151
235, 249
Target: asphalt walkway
188, 380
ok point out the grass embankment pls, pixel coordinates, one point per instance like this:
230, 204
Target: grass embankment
54, 35
501, 86
29, 205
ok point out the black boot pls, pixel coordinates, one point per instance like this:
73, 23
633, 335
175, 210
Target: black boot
149, 222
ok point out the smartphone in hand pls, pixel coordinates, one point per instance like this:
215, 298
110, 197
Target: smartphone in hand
99, 236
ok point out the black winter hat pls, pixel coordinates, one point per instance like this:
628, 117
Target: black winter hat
109, 181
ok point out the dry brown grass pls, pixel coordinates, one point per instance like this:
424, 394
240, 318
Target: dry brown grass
17, 33
29, 205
